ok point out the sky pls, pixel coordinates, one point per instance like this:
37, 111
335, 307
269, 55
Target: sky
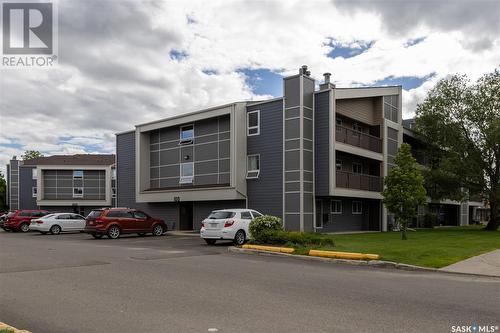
124, 62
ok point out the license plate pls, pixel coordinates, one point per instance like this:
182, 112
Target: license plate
213, 225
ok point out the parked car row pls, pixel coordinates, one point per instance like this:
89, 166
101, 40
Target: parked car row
225, 224
112, 222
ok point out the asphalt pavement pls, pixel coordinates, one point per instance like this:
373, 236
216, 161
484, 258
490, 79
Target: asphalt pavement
74, 283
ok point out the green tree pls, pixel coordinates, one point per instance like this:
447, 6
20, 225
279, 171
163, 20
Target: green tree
29, 154
404, 188
460, 124
3, 193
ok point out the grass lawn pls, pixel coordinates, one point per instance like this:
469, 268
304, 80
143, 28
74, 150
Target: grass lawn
426, 247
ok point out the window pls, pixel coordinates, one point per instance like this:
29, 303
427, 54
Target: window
338, 122
95, 214
114, 213
77, 217
34, 191
253, 123
113, 174
256, 214
38, 214
220, 215
253, 166
356, 127
357, 207
113, 192
246, 215
187, 173
338, 165
25, 213
77, 174
34, 173
77, 192
357, 167
336, 207
140, 215
187, 134
64, 217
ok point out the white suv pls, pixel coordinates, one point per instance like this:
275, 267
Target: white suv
230, 224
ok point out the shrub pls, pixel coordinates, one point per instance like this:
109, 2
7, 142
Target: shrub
264, 223
292, 238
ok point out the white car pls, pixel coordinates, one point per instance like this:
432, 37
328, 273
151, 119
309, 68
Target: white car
58, 222
229, 224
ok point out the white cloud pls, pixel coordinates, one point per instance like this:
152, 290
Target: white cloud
115, 70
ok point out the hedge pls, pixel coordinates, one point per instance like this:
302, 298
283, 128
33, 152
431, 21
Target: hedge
292, 238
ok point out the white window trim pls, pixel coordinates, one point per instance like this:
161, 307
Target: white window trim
113, 174
341, 207
113, 192
185, 141
253, 127
34, 173
337, 163
77, 195
186, 179
34, 191
257, 171
360, 206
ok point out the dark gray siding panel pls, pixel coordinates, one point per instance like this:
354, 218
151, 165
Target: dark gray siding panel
266, 193
201, 210
321, 143
347, 221
26, 183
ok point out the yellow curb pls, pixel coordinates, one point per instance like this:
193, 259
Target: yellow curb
344, 255
4, 326
269, 248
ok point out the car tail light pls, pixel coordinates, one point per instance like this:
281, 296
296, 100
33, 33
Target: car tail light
39, 222
229, 223
203, 224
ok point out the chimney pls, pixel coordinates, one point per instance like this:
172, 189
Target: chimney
14, 157
303, 70
326, 84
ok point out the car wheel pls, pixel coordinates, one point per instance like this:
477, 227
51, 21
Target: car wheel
239, 238
97, 236
142, 234
157, 230
55, 230
113, 232
210, 241
25, 227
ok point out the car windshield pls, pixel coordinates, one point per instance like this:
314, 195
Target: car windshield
216, 215
95, 213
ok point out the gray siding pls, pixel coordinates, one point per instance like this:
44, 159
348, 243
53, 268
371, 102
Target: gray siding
59, 184
209, 151
265, 194
26, 184
369, 219
321, 143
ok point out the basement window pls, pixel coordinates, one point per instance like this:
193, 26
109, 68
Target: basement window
187, 173
336, 207
253, 123
253, 166
357, 207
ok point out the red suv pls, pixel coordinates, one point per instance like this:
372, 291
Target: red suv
116, 221
20, 220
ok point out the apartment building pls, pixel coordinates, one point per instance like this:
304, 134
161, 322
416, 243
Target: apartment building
315, 157
442, 212
74, 183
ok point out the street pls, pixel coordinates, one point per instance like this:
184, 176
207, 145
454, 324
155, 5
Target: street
74, 283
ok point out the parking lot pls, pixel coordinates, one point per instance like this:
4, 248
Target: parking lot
74, 283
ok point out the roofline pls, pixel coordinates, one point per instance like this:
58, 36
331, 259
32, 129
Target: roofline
371, 87
190, 113
252, 103
124, 132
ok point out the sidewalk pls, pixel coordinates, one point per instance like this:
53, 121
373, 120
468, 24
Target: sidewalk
487, 264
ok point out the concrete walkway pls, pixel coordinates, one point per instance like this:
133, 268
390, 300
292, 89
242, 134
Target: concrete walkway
487, 264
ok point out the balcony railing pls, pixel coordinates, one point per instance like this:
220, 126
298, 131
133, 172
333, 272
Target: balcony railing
359, 181
358, 139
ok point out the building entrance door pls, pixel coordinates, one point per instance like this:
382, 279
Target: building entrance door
186, 216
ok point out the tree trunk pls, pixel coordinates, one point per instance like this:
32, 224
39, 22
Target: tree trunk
403, 231
494, 221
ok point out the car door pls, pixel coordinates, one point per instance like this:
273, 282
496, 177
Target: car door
142, 221
64, 221
128, 222
77, 222
246, 218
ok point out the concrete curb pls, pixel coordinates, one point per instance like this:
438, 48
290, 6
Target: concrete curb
5, 326
365, 263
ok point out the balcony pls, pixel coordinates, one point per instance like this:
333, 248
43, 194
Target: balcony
358, 181
358, 139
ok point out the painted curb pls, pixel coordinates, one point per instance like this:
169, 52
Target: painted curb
344, 255
365, 263
4, 326
269, 248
